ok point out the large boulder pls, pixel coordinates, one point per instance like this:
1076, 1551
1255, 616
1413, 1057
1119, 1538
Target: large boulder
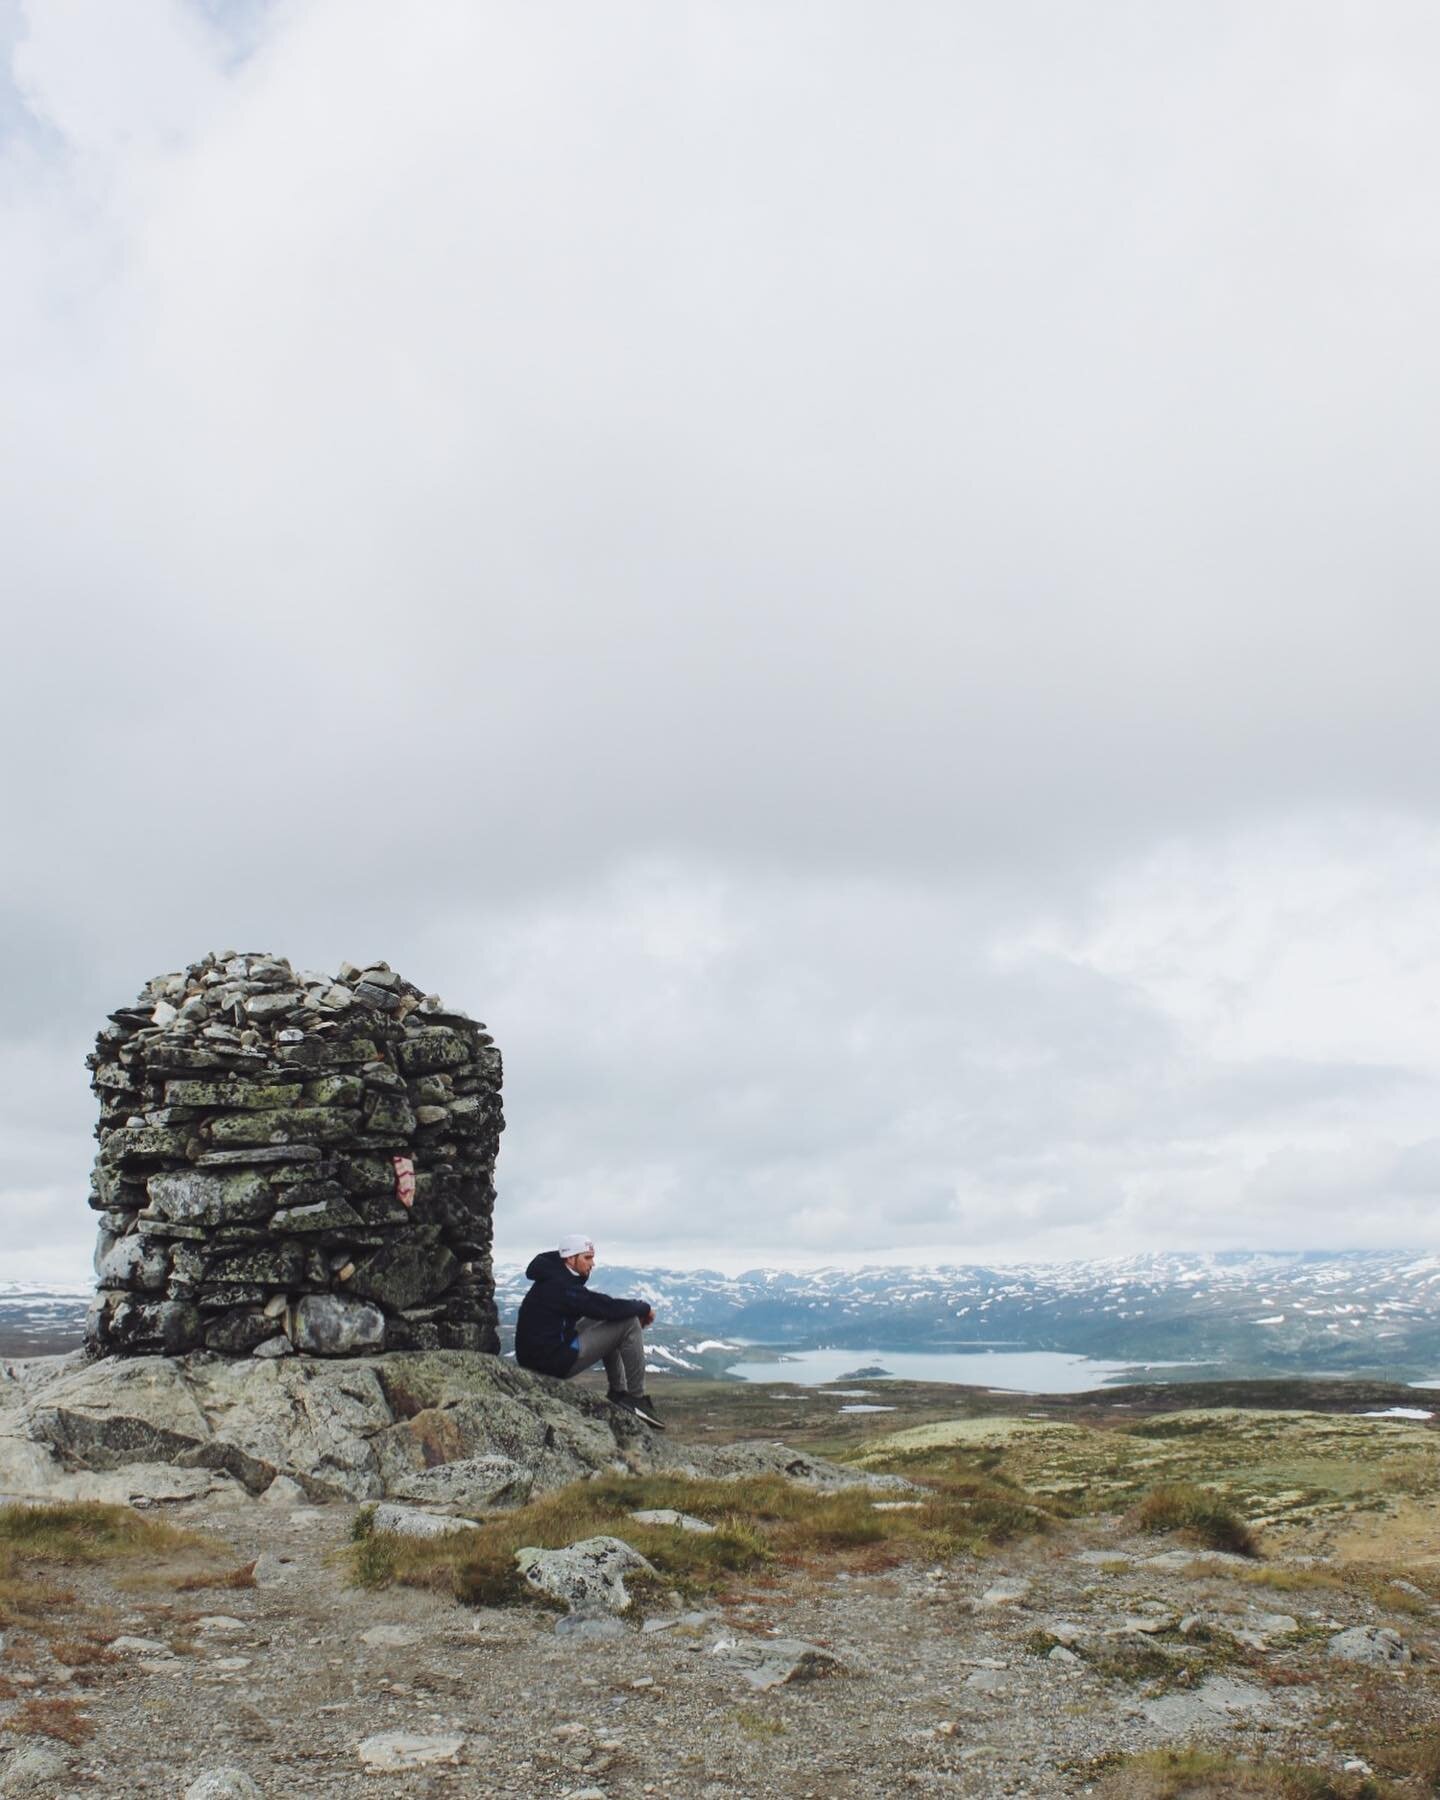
588, 1576
1371, 1646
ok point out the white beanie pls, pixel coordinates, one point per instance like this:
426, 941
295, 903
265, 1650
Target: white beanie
574, 1243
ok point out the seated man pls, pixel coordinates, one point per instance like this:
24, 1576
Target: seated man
565, 1326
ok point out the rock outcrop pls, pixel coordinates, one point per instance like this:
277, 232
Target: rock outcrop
449, 1430
290, 1162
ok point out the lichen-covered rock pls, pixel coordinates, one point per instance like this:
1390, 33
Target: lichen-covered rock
589, 1576
403, 1275
134, 1262
326, 1325
470, 1484
238, 1333
1371, 1646
198, 1197
318, 1206
410, 1521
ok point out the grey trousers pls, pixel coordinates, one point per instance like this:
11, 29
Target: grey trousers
620, 1345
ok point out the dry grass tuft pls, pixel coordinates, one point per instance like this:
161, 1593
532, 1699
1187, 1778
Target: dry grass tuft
27, 1597
88, 1532
1198, 1516
1283, 1577
1412, 1754
80, 1652
65, 1720
241, 1577
759, 1725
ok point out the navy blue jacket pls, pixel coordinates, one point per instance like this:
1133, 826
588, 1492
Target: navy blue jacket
545, 1332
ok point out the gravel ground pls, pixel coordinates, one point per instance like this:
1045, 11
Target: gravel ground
946, 1685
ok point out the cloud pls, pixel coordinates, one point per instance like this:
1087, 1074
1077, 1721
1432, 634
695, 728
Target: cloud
879, 558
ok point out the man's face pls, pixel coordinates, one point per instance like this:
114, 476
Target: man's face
583, 1263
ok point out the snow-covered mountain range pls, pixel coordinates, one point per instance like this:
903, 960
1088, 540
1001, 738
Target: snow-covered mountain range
1250, 1313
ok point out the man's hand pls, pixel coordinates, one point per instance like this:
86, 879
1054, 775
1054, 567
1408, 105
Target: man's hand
648, 1316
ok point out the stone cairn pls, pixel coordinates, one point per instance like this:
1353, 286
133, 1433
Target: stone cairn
290, 1162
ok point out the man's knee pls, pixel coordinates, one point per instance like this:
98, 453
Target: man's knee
632, 1329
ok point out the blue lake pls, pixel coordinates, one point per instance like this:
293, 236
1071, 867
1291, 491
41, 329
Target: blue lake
1016, 1371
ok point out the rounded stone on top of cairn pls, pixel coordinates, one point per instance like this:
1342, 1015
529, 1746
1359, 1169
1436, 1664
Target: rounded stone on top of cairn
293, 1162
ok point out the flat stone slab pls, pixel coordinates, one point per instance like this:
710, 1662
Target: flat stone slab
390, 1637
1005, 1593
138, 1646
1182, 1559
775, 1662
1220, 1697
588, 1628
1259, 1630
667, 1515
410, 1521
390, 1752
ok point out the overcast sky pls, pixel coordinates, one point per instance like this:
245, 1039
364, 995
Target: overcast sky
859, 581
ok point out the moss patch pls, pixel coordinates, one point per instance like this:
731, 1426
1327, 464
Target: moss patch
1210, 1775
1279, 1470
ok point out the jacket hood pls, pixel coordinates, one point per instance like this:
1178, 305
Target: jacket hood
549, 1265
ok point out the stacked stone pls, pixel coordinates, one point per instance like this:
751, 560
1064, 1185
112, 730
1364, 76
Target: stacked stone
290, 1162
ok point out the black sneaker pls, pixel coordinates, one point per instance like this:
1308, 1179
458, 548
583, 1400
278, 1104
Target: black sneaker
644, 1409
